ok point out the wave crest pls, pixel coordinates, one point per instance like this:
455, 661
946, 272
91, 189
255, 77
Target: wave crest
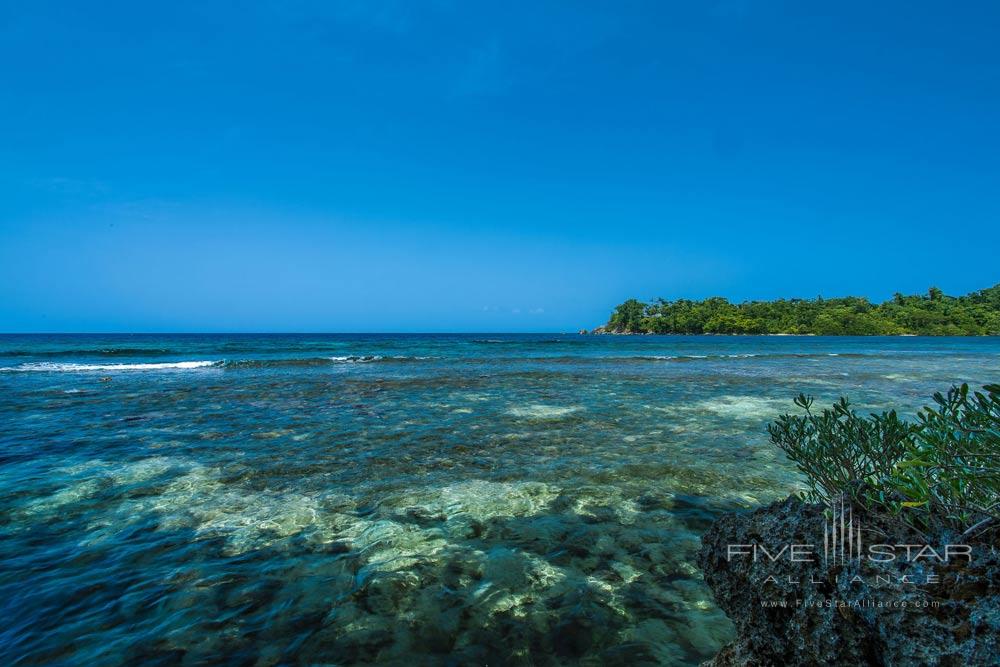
50, 367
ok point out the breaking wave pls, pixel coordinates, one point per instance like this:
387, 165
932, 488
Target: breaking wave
304, 362
53, 367
50, 367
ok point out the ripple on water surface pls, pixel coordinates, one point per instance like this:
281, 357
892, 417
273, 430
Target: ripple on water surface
446, 498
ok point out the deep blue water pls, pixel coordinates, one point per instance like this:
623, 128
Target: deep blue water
399, 499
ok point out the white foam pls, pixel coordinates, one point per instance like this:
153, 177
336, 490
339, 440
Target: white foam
48, 367
368, 358
539, 411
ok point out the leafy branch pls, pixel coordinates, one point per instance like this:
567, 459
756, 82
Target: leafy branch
941, 470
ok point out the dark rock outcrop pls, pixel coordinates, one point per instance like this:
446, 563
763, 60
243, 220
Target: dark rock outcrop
911, 610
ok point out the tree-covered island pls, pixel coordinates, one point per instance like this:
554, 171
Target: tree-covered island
932, 314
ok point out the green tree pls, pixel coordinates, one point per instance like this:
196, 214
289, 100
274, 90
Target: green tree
935, 314
627, 317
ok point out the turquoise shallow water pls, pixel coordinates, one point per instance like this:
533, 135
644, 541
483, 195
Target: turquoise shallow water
399, 499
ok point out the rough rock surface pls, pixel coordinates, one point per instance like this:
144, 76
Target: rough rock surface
819, 613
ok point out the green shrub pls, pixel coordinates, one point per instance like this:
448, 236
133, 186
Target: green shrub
942, 470
952, 465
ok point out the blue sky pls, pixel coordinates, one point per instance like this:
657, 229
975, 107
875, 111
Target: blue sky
460, 166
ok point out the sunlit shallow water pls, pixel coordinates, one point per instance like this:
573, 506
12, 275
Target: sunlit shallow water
400, 499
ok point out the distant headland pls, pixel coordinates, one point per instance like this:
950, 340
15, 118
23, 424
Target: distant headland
931, 314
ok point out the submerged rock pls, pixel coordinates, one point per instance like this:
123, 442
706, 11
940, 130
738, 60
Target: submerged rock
856, 610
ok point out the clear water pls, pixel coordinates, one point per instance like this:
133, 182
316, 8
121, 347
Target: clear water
399, 499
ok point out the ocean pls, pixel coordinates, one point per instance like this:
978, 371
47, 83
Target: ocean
419, 499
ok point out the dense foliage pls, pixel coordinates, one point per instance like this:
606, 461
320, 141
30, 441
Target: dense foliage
933, 314
942, 469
